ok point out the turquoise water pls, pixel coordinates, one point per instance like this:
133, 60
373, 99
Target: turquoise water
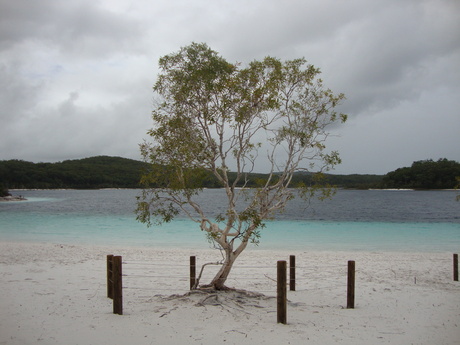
353, 220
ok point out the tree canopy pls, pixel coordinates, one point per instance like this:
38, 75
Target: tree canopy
213, 117
425, 174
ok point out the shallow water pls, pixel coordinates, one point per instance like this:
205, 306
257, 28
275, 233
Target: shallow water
352, 220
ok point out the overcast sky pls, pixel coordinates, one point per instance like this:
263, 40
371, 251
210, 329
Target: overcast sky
76, 76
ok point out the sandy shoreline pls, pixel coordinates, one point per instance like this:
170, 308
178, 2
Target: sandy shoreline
56, 294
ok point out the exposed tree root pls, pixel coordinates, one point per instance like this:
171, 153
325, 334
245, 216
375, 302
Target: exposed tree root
212, 288
238, 303
234, 301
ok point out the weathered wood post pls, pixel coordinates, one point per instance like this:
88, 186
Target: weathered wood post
117, 286
292, 272
456, 267
109, 276
281, 292
192, 272
351, 285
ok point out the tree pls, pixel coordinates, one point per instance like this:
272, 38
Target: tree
212, 116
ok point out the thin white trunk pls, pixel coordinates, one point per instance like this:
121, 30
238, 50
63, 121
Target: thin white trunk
231, 255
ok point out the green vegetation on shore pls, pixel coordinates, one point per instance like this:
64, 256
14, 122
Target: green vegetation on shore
116, 172
88, 173
426, 174
3, 192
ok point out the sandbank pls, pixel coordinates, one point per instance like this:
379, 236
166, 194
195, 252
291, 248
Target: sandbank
57, 294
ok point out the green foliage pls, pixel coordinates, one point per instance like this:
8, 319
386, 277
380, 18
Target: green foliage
88, 173
355, 181
426, 174
211, 115
3, 191
115, 172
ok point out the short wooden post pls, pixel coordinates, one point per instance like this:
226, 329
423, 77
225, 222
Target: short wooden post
456, 267
281, 292
192, 272
351, 285
117, 286
292, 272
109, 276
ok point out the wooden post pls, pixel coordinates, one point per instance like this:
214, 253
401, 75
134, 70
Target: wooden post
281, 292
192, 272
117, 286
456, 267
351, 285
292, 272
109, 276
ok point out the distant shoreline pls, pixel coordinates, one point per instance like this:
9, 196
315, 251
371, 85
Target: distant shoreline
12, 198
44, 189
338, 188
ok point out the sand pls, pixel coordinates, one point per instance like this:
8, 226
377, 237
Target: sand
57, 294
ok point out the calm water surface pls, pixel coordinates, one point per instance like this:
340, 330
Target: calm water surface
352, 220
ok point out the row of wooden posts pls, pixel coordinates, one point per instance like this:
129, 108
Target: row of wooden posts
291, 272
281, 294
115, 288
281, 279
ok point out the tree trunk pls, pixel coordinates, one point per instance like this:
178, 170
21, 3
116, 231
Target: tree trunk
220, 278
218, 282
231, 255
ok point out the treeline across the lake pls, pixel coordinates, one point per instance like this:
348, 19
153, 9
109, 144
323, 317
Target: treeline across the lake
3, 191
426, 174
88, 173
116, 172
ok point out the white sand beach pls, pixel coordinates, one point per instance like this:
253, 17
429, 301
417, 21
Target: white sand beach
57, 294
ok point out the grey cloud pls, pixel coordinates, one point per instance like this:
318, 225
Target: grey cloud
76, 76
68, 108
71, 130
389, 55
18, 95
377, 53
72, 27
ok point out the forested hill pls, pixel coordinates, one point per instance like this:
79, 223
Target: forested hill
88, 173
116, 172
426, 174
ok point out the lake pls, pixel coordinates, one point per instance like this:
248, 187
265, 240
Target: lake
365, 220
